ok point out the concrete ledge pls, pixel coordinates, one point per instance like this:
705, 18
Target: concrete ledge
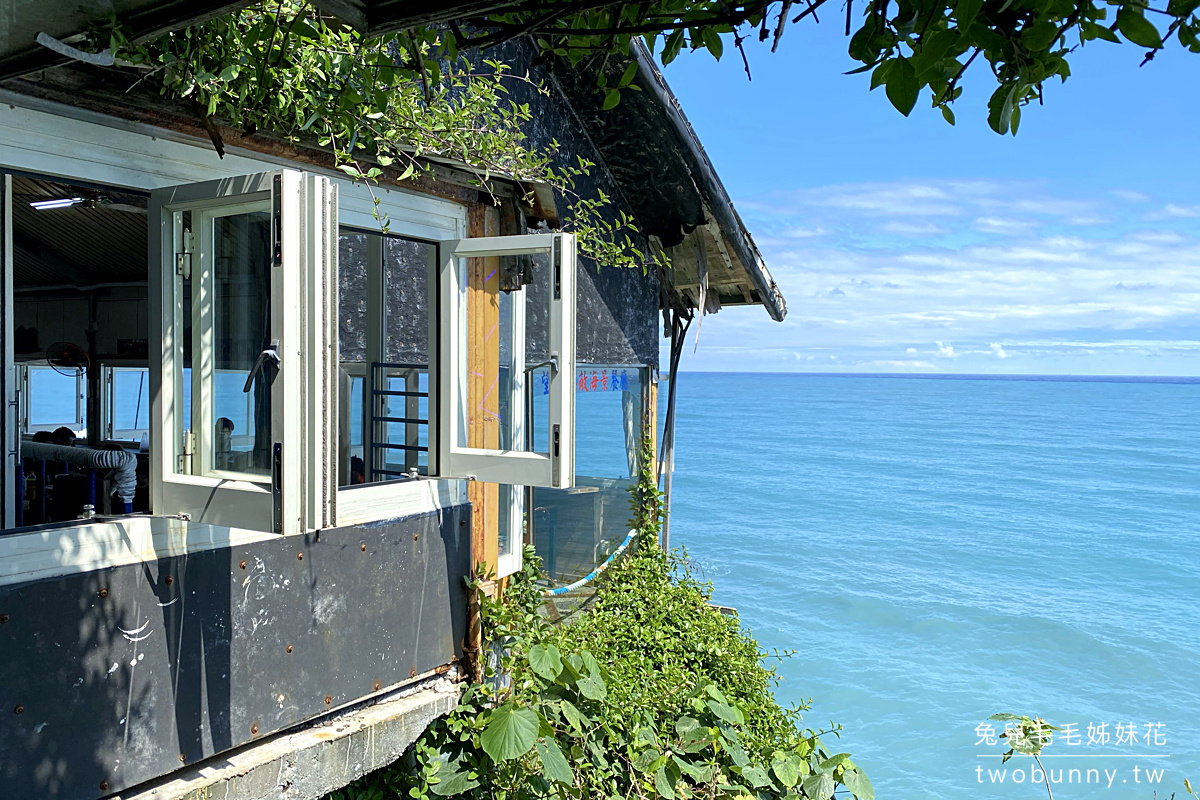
310, 763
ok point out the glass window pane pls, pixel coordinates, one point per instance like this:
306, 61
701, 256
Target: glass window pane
241, 330
352, 297
537, 353
54, 397
353, 310
575, 531
406, 281
130, 400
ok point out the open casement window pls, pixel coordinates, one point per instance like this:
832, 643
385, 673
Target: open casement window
244, 304
506, 361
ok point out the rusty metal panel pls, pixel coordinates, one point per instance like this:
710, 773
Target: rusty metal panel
111, 678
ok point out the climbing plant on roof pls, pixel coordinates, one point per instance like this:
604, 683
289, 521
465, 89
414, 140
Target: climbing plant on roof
385, 107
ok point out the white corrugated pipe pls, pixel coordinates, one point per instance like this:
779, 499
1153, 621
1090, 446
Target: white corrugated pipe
123, 464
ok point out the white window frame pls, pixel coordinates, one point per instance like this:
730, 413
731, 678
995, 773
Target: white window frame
297, 497
108, 395
79, 424
516, 467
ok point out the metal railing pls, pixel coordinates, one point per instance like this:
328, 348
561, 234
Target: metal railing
382, 414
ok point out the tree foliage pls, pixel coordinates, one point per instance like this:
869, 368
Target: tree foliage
383, 106
905, 45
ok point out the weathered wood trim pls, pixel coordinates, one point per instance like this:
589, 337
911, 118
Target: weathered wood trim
483, 367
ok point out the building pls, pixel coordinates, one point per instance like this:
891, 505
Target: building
292, 435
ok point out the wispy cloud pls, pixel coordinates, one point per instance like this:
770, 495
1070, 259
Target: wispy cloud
879, 273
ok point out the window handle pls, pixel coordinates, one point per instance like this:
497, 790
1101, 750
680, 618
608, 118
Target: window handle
552, 364
270, 355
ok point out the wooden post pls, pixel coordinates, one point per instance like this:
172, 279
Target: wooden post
483, 367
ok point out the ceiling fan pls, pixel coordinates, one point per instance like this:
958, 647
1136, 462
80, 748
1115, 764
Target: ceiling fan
85, 200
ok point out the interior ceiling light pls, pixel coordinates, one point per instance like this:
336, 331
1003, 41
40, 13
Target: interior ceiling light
62, 202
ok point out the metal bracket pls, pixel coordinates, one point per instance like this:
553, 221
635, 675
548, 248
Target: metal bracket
183, 261
516, 272
555, 447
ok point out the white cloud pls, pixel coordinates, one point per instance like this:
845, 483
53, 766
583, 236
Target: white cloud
913, 229
982, 263
1003, 225
998, 349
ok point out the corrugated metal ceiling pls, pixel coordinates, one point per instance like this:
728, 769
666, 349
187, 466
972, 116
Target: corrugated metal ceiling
100, 241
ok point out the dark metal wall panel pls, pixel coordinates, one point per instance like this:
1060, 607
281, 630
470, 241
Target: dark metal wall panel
111, 678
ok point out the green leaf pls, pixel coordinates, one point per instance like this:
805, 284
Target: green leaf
545, 661
1091, 30
948, 114
902, 85
729, 713
575, 718
712, 40
835, 761
819, 786
737, 754
858, 784
454, 779
510, 732
1040, 35
934, 48
663, 785
1000, 108
592, 686
879, 76
756, 776
611, 98
786, 768
1182, 8
646, 759
554, 763
1137, 29
965, 12
700, 773
628, 75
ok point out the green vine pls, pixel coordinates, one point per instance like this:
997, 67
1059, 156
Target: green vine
382, 106
651, 693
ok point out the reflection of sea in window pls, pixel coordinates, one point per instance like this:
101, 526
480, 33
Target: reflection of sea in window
574, 530
240, 381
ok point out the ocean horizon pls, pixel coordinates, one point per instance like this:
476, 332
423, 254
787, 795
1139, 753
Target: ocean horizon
970, 376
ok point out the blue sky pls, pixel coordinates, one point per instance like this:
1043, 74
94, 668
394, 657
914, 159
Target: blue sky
907, 245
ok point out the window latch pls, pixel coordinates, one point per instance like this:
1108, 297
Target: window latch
552, 364
268, 356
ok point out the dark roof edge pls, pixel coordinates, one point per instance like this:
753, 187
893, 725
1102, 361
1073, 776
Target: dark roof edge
710, 186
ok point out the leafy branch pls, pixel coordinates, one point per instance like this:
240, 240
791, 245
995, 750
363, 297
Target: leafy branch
385, 107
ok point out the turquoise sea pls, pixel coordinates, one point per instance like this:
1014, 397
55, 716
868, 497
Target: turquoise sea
939, 550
